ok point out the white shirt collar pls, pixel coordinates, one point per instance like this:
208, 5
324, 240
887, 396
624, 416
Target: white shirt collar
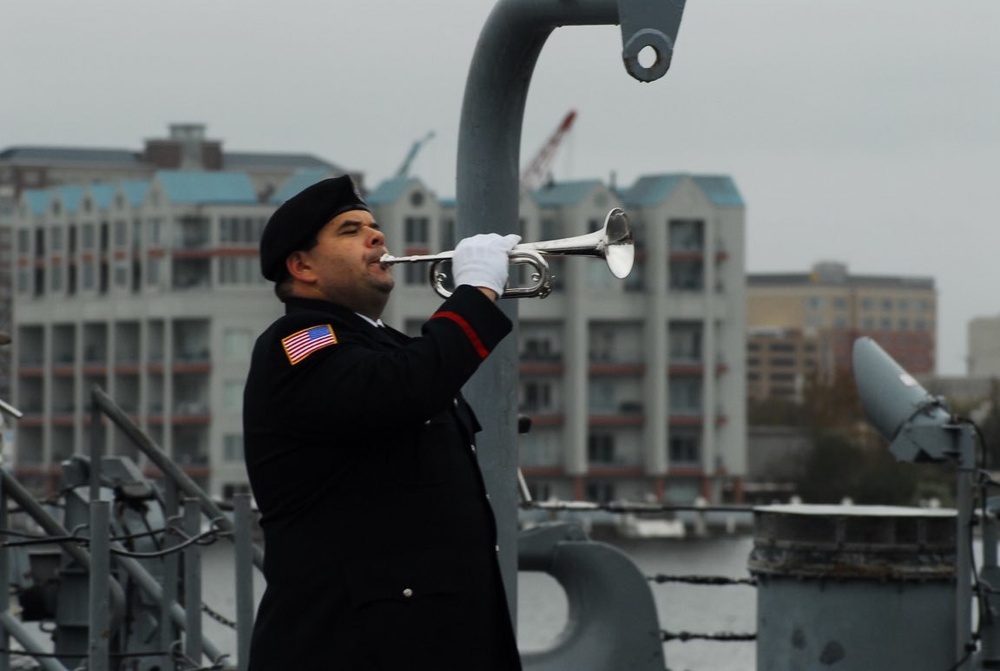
377, 323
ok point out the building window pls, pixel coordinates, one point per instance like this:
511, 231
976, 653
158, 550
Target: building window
154, 232
685, 395
685, 341
601, 448
154, 272
601, 397
887, 304
416, 230
536, 396
687, 275
538, 349
684, 449
814, 302
87, 236
121, 234
23, 242
56, 239
57, 278
238, 270
240, 230
867, 304
121, 273
686, 235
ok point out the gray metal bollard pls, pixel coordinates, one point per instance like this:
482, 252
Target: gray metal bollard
854, 587
613, 624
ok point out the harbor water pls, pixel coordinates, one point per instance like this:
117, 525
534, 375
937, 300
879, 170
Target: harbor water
542, 605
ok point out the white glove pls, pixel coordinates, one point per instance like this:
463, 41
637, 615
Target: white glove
483, 260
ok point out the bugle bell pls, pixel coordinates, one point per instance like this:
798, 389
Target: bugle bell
613, 243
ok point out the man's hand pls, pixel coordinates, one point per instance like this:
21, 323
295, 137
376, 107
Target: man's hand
483, 261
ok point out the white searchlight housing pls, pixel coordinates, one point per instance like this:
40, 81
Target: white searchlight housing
900, 409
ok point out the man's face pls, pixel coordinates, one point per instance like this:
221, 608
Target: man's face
344, 266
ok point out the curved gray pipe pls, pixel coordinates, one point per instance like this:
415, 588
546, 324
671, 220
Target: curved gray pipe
487, 191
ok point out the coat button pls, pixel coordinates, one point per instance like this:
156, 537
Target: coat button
407, 592
473, 448
498, 548
455, 401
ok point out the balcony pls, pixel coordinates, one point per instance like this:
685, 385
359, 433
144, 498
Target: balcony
600, 366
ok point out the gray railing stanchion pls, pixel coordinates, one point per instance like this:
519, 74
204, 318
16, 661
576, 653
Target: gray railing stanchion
4, 580
100, 601
192, 583
244, 579
169, 632
95, 447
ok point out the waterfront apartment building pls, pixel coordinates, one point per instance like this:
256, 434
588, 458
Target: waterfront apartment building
805, 324
151, 289
186, 147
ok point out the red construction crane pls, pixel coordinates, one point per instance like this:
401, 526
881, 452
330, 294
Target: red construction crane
535, 174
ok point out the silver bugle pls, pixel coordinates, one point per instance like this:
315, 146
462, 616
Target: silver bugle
613, 243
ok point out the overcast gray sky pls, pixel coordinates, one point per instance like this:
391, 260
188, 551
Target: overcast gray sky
864, 131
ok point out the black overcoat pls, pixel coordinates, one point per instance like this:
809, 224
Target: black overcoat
380, 542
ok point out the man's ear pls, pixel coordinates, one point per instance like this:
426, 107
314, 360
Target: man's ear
299, 267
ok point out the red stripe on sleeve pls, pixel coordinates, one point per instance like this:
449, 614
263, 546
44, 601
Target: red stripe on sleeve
469, 332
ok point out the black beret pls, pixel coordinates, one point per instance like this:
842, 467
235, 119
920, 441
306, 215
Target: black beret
296, 222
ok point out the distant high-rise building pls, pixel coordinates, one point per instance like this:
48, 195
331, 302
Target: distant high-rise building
802, 324
151, 289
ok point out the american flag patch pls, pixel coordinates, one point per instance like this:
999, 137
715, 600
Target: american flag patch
300, 345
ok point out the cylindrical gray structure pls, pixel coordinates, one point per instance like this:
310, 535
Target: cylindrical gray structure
854, 588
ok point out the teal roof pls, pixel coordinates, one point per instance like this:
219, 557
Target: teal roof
102, 195
135, 191
650, 190
721, 190
37, 200
390, 190
70, 196
564, 193
195, 186
297, 182
654, 189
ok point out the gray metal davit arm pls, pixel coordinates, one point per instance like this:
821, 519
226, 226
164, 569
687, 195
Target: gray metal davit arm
487, 190
612, 622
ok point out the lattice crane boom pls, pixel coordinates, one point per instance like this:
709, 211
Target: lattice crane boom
534, 175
